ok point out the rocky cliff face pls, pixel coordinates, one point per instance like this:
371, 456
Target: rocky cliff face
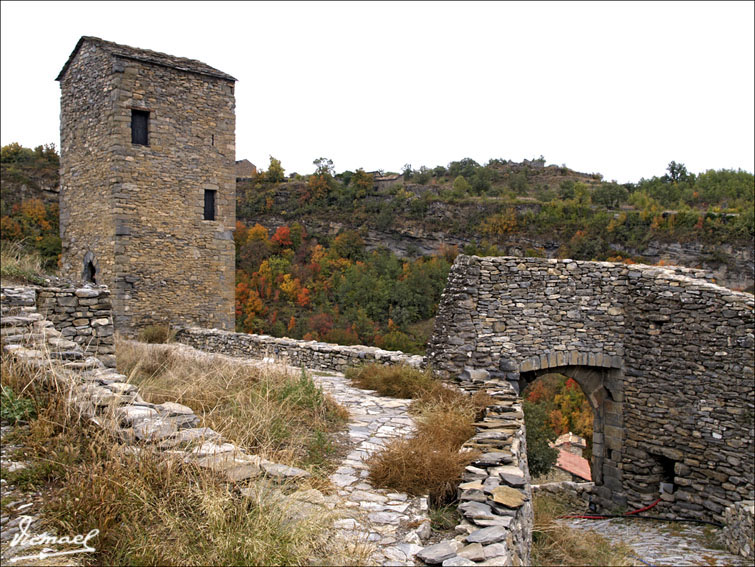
731, 266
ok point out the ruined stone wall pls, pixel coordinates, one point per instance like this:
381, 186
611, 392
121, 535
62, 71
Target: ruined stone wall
83, 315
739, 530
72, 322
310, 354
665, 359
139, 209
86, 213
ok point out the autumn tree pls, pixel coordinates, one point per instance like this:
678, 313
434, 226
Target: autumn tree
363, 182
275, 172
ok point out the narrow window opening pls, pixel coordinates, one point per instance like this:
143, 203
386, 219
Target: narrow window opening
89, 270
140, 127
213, 139
209, 204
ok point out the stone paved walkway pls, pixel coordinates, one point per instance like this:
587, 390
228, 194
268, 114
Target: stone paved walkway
394, 522
661, 543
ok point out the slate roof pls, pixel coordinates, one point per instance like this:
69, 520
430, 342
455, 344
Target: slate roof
147, 56
574, 464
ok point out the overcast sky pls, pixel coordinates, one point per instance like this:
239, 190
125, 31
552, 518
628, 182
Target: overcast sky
616, 88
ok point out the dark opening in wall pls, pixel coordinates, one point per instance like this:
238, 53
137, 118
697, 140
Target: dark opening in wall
663, 471
89, 272
140, 127
209, 204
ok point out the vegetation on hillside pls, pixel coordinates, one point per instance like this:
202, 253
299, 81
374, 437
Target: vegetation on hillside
487, 204
308, 283
290, 284
30, 221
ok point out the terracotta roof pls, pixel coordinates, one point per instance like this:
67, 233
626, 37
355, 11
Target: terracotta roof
574, 464
147, 56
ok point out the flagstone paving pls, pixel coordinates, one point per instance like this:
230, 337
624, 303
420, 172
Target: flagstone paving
396, 523
662, 543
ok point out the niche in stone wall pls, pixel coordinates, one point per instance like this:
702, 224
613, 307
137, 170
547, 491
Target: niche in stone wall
90, 270
662, 474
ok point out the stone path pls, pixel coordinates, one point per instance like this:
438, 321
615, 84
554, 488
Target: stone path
661, 543
397, 524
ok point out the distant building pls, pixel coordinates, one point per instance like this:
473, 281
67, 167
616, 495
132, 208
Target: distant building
571, 443
385, 181
245, 170
575, 465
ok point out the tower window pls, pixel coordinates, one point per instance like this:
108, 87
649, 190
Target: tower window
209, 204
140, 127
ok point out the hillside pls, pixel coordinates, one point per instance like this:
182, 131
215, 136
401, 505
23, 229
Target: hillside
524, 209
362, 258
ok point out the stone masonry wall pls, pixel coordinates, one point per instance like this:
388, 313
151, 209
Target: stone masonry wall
310, 354
86, 215
739, 533
140, 208
665, 359
76, 319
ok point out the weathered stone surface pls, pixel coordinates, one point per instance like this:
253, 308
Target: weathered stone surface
133, 414
438, 553
282, 472
173, 408
509, 497
473, 551
458, 561
488, 535
189, 436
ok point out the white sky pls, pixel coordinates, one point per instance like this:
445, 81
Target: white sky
616, 88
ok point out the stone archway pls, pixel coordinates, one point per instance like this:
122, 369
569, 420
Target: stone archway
603, 388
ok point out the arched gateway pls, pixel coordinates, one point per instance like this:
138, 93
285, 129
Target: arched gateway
665, 358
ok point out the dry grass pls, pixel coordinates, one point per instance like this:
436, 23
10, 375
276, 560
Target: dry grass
430, 461
395, 381
554, 543
271, 412
19, 263
149, 508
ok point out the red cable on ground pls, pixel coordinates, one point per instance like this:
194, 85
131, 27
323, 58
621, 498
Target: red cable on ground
602, 517
643, 509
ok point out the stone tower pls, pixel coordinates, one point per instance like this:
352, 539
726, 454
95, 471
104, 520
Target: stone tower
147, 183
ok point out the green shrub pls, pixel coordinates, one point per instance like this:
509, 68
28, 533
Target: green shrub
13, 408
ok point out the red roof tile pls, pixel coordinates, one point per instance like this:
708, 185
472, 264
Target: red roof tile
574, 464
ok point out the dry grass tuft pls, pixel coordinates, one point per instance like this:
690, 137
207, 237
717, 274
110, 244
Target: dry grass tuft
399, 381
267, 411
429, 462
554, 543
157, 334
20, 263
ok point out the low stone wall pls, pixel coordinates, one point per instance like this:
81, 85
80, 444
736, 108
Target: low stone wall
104, 396
739, 530
575, 493
82, 314
495, 496
81, 317
309, 354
